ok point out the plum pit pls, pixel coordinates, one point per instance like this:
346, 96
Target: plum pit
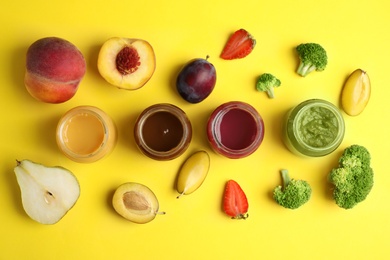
135, 201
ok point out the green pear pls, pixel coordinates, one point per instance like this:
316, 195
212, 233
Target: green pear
48, 193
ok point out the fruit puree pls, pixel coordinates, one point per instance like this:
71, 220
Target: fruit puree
238, 129
162, 131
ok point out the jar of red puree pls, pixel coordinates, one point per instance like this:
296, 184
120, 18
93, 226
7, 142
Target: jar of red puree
235, 129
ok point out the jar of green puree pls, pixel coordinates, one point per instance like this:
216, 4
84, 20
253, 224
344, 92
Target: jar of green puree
313, 128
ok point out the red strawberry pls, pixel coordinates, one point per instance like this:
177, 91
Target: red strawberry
239, 45
235, 203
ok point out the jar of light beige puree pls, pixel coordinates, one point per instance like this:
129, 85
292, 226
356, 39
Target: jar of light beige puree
86, 134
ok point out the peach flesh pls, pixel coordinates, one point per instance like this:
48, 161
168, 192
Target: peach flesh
54, 69
126, 63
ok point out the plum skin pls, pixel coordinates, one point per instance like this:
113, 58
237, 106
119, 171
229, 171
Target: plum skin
196, 80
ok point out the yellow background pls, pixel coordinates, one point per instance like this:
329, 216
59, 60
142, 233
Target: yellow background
355, 35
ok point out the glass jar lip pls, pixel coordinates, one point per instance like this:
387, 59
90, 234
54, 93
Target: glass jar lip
185, 140
304, 148
61, 128
214, 133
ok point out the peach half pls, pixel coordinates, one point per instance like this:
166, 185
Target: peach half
126, 63
54, 69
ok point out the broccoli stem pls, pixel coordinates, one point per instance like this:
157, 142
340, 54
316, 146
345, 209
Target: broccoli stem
271, 92
285, 178
305, 69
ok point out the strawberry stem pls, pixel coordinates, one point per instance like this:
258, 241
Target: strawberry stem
241, 216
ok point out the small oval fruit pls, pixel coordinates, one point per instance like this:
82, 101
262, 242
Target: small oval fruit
192, 173
356, 92
136, 202
196, 80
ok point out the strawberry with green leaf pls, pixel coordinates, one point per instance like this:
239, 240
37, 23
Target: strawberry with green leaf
239, 45
235, 203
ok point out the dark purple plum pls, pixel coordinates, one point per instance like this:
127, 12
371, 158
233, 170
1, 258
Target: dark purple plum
196, 80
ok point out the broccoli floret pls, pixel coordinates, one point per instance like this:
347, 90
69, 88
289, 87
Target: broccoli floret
267, 82
312, 57
353, 179
293, 193
355, 155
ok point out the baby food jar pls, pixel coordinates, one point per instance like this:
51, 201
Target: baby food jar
313, 128
86, 134
235, 129
163, 132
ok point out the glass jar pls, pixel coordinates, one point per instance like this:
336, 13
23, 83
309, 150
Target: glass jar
86, 134
313, 128
163, 132
235, 129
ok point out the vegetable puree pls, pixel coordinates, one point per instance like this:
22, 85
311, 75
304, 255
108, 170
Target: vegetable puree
317, 127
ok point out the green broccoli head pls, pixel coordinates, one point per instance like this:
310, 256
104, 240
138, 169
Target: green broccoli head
355, 156
353, 179
312, 57
293, 193
266, 83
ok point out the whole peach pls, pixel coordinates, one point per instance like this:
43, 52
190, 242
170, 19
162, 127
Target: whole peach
54, 69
